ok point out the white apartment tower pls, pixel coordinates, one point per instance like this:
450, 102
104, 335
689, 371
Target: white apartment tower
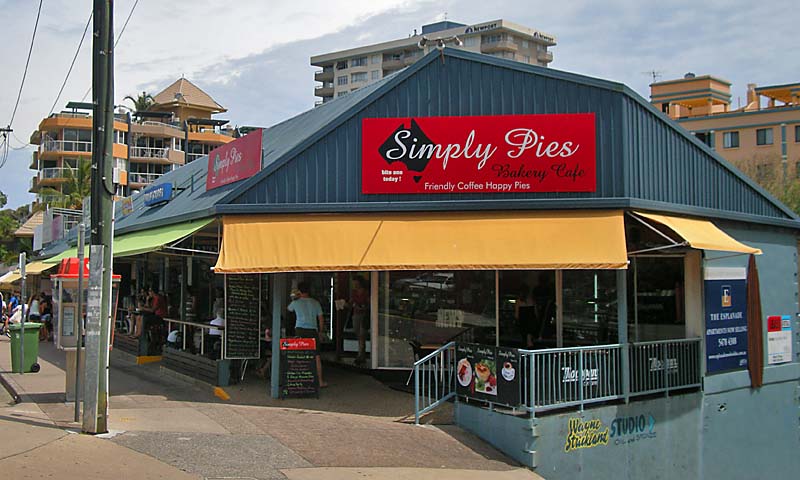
348, 70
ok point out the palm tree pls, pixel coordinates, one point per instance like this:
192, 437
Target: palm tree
141, 102
76, 187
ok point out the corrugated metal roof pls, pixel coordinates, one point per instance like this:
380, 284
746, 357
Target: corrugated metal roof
312, 161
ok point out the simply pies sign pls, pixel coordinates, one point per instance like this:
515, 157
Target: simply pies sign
486, 154
234, 161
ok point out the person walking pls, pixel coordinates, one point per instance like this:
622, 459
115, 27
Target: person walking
310, 321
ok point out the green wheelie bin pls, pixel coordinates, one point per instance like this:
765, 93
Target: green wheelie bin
31, 339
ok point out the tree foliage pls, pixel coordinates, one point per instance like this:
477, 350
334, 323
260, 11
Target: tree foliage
76, 186
141, 102
767, 171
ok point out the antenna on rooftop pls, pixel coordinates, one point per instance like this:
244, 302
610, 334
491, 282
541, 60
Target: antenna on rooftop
656, 74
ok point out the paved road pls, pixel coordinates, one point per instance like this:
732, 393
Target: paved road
164, 427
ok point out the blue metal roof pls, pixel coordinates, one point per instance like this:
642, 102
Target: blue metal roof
645, 160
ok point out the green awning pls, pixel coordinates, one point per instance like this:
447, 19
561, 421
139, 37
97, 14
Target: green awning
143, 241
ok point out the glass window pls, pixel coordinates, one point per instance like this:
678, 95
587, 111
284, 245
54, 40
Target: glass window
375, 59
341, 80
730, 139
764, 136
471, 41
341, 65
797, 133
342, 94
590, 307
526, 58
704, 137
375, 75
432, 308
524, 44
528, 308
358, 62
358, 77
656, 299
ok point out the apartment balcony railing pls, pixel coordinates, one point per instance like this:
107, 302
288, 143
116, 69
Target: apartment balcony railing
324, 75
162, 124
47, 198
544, 56
55, 172
149, 152
499, 46
143, 178
66, 146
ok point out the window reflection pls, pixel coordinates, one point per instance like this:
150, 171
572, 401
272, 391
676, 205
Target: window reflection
432, 308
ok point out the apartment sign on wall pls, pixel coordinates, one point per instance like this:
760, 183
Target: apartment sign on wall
234, 161
481, 154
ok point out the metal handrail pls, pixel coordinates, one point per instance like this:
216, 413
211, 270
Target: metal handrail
150, 152
434, 379
161, 124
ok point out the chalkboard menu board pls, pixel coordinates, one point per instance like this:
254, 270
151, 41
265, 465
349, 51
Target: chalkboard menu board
488, 373
298, 368
242, 316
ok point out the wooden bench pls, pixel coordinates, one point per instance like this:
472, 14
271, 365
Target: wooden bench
214, 372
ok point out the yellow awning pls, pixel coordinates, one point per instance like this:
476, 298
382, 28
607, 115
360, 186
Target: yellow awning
9, 278
423, 241
36, 268
701, 234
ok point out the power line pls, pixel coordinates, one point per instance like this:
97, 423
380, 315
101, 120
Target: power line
80, 44
119, 37
27, 62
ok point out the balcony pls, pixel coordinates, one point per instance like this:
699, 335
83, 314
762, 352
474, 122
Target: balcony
544, 56
34, 161
324, 90
393, 63
324, 75
64, 146
499, 46
34, 185
141, 179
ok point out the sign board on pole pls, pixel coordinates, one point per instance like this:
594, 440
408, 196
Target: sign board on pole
779, 339
726, 319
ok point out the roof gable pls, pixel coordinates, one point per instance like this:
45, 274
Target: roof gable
645, 160
183, 92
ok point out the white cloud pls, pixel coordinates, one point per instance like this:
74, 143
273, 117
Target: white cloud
253, 56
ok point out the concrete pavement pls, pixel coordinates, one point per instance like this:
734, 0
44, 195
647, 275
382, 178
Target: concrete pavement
163, 427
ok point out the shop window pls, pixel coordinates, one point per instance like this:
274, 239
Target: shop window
590, 307
341, 80
432, 308
358, 62
730, 140
764, 136
656, 303
528, 308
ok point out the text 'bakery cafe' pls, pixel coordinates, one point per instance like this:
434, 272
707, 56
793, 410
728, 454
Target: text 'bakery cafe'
542, 249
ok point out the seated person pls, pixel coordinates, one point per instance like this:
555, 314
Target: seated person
174, 339
213, 345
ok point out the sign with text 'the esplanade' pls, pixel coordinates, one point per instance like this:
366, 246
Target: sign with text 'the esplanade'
486, 154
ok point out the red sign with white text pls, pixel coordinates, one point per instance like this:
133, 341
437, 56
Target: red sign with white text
487, 154
298, 344
234, 161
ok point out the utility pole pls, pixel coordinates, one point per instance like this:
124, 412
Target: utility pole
98, 305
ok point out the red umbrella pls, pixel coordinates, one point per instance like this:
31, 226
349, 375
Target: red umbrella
755, 336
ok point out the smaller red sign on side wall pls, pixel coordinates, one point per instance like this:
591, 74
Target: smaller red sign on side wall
234, 161
298, 344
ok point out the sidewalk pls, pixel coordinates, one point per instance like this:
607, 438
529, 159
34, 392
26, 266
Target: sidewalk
165, 428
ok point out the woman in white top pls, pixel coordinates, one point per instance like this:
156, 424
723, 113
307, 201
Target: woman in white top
34, 315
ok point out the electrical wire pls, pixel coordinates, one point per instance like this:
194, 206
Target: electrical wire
27, 62
119, 37
80, 44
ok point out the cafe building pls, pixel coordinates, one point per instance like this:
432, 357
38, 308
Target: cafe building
548, 251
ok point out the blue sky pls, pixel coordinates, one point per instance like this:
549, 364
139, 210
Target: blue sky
254, 59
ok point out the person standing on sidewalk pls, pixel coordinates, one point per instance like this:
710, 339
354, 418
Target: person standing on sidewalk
310, 321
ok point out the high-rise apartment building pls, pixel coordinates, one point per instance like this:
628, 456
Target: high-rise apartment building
177, 128
762, 137
348, 70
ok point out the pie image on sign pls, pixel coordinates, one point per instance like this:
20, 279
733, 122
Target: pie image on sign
486, 377
464, 370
